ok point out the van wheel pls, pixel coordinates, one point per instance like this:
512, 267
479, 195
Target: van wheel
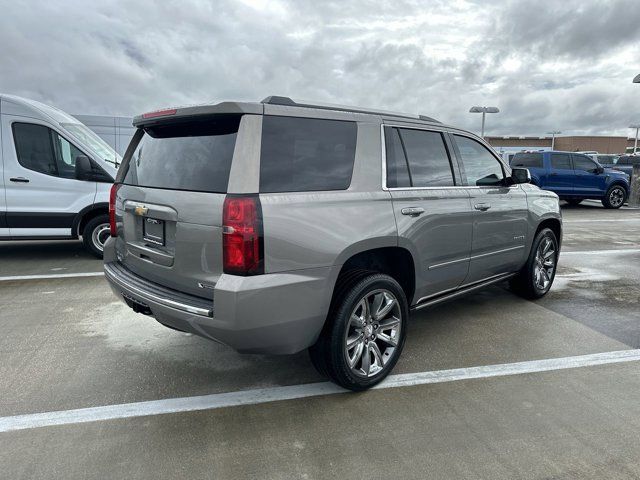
95, 233
615, 197
364, 334
536, 277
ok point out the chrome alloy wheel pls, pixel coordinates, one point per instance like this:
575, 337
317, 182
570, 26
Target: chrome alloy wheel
545, 264
616, 196
373, 333
100, 235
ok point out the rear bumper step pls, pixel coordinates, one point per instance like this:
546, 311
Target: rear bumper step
147, 291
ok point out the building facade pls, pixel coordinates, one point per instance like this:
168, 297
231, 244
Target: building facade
575, 143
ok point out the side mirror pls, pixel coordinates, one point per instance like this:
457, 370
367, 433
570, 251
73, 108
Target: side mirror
83, 168
520, 175
599, 169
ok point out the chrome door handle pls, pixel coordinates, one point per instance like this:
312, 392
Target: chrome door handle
19, 179
412, 211
483, 207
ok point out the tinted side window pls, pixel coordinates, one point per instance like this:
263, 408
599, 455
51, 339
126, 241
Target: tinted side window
35, 148
561, 161
585, 164
43, 150
529, 160
481, 167
428, 158
397, 169
306, 154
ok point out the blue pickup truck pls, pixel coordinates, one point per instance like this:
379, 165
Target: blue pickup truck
575, 177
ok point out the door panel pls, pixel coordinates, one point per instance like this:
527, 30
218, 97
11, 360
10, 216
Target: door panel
432, 211
40, 202
499, 233
440, 237
587, 182
561, 176
499, 212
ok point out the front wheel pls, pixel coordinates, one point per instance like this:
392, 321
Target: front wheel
536, 277
95, 233
615, 197
364, 334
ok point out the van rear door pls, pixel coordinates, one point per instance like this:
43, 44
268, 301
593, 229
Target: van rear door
173, 184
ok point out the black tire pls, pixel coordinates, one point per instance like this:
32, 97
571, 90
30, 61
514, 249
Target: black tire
574, 201
94, 232
525, 283
329, 354
615, 197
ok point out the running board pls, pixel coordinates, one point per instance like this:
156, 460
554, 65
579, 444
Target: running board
461, 291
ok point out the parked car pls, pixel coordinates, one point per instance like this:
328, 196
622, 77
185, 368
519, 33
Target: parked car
575, 177
278, 226
622, 163
55, 176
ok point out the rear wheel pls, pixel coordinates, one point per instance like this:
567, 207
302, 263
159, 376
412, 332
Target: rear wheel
615, 197
536, 277
364, 334
95, 234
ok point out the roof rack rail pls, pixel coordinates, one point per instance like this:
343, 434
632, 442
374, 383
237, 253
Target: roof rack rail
286, 101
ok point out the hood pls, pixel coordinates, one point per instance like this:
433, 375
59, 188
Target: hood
616, 173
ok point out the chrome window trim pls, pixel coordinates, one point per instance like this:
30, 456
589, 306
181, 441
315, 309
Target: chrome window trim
443, 130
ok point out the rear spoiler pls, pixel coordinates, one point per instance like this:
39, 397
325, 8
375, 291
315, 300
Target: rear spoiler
171, 115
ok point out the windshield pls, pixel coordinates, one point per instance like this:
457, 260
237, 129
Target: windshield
94, 142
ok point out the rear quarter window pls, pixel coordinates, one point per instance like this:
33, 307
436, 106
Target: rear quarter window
306, 154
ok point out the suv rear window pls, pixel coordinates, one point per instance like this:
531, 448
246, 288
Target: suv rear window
193, 156
306, 154
533, 160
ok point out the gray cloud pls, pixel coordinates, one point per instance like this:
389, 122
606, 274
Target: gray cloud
547, 65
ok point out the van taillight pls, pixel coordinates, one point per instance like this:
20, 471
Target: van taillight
242, 237
112, 209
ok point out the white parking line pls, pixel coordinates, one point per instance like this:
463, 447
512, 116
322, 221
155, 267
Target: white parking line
264, 395
614, 251
51, 276
603, 220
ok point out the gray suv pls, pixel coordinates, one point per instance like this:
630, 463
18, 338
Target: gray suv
279, 226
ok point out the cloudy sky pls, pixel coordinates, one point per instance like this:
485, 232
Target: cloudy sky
563, 65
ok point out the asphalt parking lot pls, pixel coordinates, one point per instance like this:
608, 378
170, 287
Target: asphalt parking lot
69, 344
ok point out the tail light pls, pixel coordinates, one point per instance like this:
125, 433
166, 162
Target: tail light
112, 209
242, 236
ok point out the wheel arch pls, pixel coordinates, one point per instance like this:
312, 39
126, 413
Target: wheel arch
392, 260
621, 183
86, 214
552, 223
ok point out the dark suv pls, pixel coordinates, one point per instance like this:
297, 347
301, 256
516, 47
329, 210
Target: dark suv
277, 226
575, 177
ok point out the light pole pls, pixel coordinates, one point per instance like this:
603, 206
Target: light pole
483, 110
637, 127
553, 134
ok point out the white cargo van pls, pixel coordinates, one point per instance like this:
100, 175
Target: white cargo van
55, 175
